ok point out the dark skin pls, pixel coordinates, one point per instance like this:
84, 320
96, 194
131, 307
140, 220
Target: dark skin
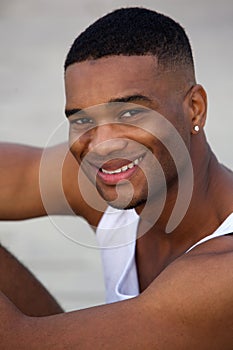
23, 289
185, 298
158, 91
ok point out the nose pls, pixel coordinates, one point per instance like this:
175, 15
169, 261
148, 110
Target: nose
107, 140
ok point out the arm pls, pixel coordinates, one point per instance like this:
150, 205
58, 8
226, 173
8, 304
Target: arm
36, 182
23, 289
189, 306
19, 190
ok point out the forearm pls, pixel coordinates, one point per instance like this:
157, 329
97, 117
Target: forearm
108, 327
19, 182
23, 289
169, 316
36, 182
31, 182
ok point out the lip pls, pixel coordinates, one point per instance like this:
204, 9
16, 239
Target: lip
115, 164
113, 179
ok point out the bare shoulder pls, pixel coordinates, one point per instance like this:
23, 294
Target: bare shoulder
192, 298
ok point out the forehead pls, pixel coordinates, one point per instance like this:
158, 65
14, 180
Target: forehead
99, 81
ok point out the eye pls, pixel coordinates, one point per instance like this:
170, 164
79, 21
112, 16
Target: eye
82, 121
131, 113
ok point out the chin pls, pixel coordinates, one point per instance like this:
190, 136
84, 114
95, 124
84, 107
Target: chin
122, 197
135, 203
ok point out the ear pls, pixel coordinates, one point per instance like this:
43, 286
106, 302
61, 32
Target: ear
196, 101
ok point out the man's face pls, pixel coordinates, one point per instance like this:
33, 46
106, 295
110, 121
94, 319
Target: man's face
119, 108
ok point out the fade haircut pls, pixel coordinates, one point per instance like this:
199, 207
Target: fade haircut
134, 31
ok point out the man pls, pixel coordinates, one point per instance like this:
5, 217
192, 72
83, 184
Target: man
136, 119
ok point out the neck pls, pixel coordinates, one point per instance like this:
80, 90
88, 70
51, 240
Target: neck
211, 202
200, 213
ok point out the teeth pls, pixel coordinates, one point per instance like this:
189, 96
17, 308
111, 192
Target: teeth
130, 166
123, 168
117, 171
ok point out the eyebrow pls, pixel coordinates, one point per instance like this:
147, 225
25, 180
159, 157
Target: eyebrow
69, 112
131, 98
124, 99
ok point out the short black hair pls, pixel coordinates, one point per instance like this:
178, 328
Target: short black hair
133, 31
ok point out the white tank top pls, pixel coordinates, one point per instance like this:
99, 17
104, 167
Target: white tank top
116, 234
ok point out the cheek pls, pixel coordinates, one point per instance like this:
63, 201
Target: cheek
78, 143
181, 126
76, 150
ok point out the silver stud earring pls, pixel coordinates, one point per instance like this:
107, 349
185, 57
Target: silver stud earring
196, 128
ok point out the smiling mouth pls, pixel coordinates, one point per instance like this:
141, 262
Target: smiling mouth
122, 169
112, 173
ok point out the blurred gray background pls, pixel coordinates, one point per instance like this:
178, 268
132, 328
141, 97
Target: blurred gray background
35, 37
